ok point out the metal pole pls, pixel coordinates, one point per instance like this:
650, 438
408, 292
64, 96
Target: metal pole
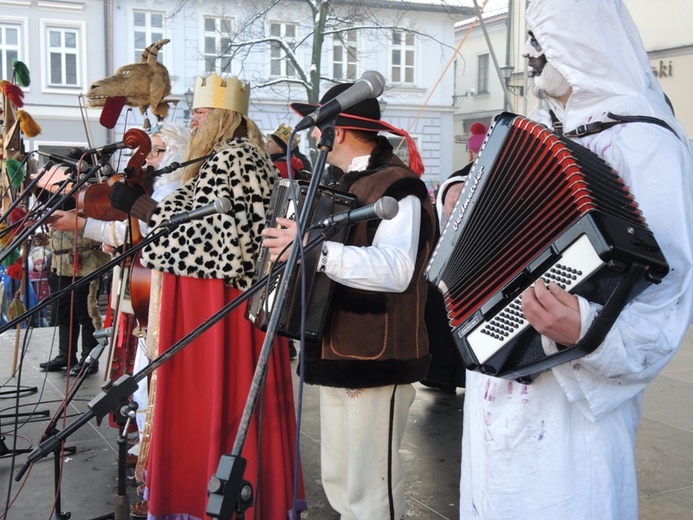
506, 93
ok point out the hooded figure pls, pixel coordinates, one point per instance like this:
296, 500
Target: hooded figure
563, 446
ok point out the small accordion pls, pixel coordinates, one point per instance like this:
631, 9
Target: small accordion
537, 206
318, 285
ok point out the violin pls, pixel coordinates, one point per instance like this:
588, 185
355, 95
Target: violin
93, 201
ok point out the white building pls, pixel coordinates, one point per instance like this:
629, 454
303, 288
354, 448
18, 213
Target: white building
416, 98
63, 45
479, 94
665, 28
81, 41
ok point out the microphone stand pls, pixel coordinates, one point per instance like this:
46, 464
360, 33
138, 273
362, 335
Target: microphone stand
34, 211
22, 237
176, 165
115, 393
227, 490
19, 197
52, 429
225, 485
162, 230
118, 395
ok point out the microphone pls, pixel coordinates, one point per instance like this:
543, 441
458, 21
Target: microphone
221, 205
107, 149
370, 85
385, 208
82, 166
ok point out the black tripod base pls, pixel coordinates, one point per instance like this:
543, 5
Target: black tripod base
4, 450
228, 493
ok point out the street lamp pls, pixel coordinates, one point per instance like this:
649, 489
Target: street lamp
188, 97
507, 73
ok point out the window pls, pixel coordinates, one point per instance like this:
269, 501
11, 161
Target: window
10, 36
344, 56
403, 55
217, 41
482, 74
148, 28
280, 64
63, 57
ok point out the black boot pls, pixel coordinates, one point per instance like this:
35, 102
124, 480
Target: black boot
57, 363
93, 369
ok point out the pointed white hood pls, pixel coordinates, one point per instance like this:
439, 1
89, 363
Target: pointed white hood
597, 48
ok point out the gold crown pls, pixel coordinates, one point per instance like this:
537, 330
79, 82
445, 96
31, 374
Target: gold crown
283, 133
215, 92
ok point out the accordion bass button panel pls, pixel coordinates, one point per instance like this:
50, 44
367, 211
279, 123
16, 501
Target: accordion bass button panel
578, 262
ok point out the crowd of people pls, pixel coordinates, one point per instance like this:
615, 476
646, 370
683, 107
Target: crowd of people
561, 446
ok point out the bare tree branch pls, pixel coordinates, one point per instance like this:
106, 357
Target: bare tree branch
330, 19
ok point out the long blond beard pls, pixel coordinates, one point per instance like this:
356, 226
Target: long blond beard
219, 126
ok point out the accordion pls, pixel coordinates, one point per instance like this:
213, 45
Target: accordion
318, 286
537, 206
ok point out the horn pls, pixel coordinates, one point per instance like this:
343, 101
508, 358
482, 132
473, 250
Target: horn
149, 54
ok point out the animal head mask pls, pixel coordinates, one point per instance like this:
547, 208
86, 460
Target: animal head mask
144, 84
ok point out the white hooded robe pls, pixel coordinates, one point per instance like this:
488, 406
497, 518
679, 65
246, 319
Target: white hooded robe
563, 446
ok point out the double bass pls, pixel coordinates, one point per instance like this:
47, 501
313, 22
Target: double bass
94, 202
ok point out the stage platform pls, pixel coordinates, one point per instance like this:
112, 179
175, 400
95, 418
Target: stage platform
431, 446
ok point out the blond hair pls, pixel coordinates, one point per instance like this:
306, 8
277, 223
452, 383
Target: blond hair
219, 126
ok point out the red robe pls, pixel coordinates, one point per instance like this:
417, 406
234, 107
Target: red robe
200, 397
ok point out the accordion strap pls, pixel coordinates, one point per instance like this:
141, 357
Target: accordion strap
597, 126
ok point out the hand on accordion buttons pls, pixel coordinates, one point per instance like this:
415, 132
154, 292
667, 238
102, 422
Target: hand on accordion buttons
553, 312
123, 196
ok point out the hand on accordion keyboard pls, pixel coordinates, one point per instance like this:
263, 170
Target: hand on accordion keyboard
553, 312
278, 239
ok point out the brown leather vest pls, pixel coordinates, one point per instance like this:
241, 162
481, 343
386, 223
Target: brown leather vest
377, 338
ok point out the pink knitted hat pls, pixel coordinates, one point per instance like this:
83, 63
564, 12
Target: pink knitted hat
478, 131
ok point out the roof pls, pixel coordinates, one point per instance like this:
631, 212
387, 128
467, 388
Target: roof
493, 8
459, 8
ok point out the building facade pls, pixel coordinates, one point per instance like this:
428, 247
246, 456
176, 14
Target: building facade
63, 45
665, 28
409, 44
82, 41
485, 50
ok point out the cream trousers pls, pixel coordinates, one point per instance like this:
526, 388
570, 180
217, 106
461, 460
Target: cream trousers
360, 434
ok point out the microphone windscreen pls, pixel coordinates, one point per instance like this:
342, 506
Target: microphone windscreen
387, 208
222, 205
111, 111
376, 80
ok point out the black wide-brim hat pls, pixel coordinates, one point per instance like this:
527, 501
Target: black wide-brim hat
364, 115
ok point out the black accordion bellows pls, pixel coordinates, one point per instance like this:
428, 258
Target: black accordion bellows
318, 286
536, 205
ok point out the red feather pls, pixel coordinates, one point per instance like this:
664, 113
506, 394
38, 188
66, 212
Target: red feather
14, 93
15, 270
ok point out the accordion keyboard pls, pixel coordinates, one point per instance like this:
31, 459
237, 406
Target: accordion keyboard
486, 337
